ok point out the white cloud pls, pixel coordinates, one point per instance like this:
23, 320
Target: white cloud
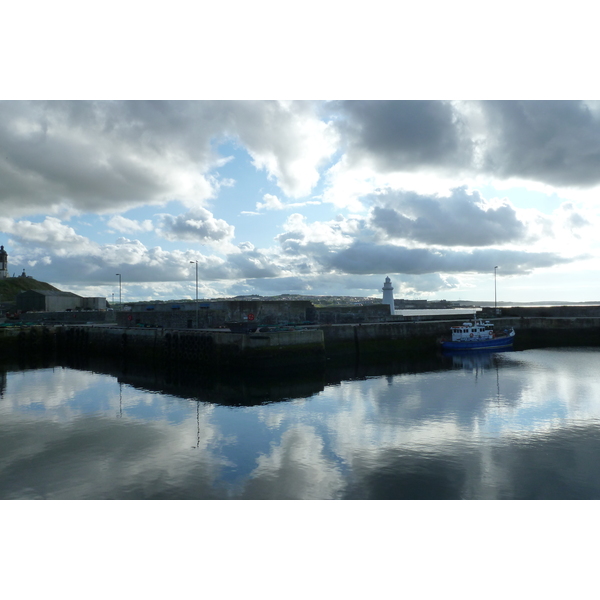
50, 234
271, 202
198, 225
288, 140
124, 225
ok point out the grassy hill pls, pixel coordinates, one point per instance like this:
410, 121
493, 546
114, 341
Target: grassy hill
9, 288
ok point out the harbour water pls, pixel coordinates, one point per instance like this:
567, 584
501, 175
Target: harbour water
511, 425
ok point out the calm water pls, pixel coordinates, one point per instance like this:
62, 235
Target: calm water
520, 425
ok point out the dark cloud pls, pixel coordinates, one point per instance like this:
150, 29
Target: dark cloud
367, 257
556, 142
455, 220
403, 135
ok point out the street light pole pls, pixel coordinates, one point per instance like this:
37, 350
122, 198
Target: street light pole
495, 301
197, 316
120, 295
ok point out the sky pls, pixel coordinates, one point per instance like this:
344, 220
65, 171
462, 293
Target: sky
452, 199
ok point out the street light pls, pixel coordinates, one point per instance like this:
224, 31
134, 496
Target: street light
120, 295
197, 319
495, 302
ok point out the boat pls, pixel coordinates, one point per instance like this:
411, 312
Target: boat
478, 335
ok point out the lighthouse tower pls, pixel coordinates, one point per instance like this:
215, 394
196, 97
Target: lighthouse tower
3, 263
388, 294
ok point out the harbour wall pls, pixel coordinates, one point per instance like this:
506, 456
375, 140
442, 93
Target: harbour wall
193, 349
221, 350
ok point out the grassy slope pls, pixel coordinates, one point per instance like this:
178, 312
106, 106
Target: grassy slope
9, 288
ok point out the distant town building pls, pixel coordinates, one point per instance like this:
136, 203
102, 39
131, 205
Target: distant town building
388, 294
3, 263
54, 301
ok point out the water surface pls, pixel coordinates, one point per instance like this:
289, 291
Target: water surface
522, 425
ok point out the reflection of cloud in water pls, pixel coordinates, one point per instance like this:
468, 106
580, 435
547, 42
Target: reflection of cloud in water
48, 388
296, 468
560, 465
101, 457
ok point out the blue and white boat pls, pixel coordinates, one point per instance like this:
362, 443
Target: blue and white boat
478, 335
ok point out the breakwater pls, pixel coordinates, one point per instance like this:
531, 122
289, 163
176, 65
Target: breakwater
208, 350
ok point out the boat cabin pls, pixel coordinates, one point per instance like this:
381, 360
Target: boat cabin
478, 330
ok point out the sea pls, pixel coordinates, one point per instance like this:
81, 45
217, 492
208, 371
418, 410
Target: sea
517, 425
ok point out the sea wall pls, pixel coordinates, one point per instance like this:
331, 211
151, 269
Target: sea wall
200, 350
222, 350
383, 338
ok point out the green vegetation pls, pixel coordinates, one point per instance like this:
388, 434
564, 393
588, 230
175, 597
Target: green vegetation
9, 288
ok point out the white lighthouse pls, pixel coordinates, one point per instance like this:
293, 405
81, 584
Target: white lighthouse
3, 263
388, 294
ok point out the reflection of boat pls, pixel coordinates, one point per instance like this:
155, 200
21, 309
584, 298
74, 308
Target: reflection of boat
475, 361
478, 335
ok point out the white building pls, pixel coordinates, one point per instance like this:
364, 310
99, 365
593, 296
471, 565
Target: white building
388, 294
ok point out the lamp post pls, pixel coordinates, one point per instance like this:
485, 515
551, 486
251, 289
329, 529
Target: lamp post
197, 320
495, 301
120, 295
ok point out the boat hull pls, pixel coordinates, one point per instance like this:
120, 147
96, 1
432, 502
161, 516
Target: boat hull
493, 344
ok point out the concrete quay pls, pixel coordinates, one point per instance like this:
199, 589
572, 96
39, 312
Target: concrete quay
203, 350
221, 350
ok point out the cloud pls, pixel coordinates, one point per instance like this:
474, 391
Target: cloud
287, 139
460, 219
60, 255
555, 142
124, 225
403, 135
339, 232
98, 156
251, 263
363, 258
571, 219
49, 235
198, 225
271, 202
112, 156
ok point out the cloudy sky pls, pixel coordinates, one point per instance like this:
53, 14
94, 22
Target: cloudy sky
396, 173
307, 197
